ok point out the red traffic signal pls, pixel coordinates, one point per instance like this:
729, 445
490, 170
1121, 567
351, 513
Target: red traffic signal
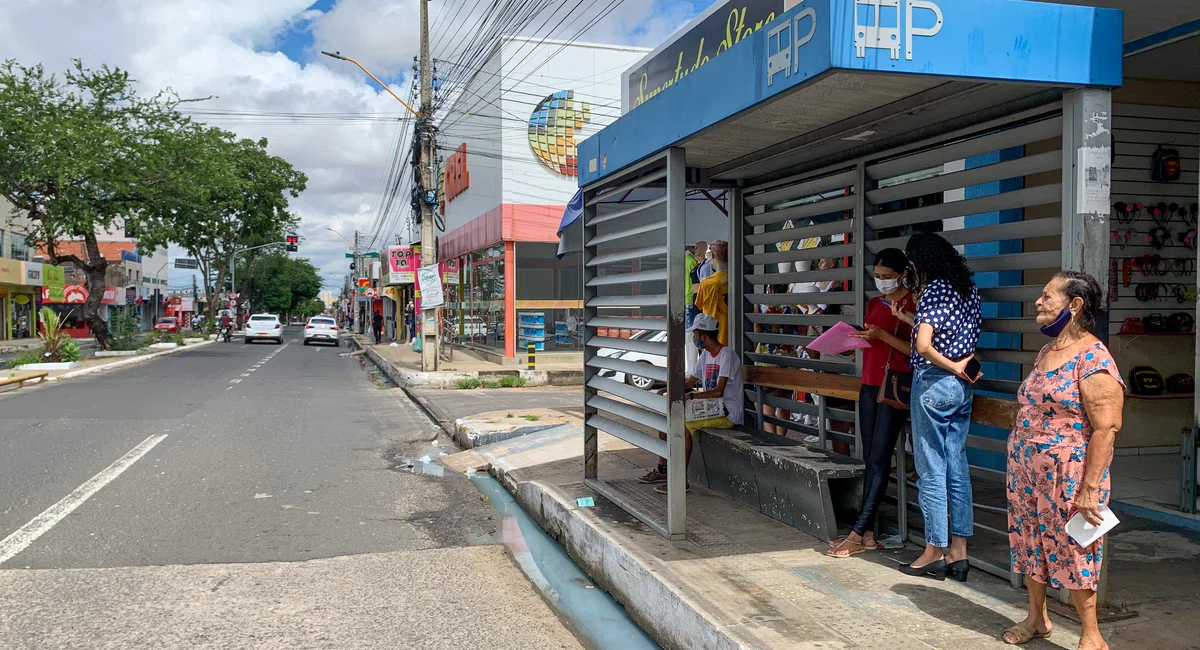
292, 242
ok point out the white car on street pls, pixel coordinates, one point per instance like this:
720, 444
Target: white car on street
264, 327
637, 381
321, 329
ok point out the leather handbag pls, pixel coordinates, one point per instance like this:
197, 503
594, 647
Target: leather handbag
896, 390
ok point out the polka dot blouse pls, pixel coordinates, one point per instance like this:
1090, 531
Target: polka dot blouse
955, 321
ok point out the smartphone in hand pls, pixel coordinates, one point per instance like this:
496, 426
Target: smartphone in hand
973, 369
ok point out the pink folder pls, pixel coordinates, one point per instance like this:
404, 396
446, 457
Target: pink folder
838, 339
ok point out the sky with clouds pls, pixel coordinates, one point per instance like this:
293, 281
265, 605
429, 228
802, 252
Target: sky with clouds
260, 58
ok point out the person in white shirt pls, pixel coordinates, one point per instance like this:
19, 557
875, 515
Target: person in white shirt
718, 373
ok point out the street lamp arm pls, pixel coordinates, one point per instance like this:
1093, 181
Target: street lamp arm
339, 57
344, 238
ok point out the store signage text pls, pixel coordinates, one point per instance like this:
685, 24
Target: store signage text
458, 179
729, 26
402, 264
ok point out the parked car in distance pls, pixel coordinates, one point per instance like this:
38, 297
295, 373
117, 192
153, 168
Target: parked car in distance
168, 324
264, 327
637, 381
321, 329
473, 328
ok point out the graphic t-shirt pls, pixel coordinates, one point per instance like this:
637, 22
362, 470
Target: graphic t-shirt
709, 369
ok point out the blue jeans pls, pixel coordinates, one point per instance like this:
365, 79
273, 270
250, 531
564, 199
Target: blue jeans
689, 315
941, 417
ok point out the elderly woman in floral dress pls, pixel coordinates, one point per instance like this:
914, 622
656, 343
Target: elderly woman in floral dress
1059, 455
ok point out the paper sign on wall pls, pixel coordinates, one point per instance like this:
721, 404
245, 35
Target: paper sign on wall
431, 287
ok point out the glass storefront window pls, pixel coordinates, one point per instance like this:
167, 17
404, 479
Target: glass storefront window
480, 320
549, 299
20, 251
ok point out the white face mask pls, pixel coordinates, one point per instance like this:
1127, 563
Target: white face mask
887, 287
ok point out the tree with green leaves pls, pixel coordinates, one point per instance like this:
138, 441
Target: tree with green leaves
280, 284
84, 154
244, 203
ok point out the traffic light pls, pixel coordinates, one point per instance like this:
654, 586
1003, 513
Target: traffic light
292, 242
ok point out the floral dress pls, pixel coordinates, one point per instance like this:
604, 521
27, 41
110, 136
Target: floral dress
1047, 452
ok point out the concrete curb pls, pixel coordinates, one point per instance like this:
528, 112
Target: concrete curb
449, 380
668, 616
124, 362
469, 436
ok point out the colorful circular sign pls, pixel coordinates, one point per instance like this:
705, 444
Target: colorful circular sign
553, 130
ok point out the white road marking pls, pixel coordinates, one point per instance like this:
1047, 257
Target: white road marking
235, 381
245, 374
39, 525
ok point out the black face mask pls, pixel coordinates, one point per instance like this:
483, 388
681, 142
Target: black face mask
699, 342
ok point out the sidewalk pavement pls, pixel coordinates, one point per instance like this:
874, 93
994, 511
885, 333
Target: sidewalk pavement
403, 366
743, 580
404, 358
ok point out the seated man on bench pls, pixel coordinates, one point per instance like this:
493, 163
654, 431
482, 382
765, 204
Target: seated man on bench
719, 374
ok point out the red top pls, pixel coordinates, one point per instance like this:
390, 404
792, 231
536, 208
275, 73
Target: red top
876, 357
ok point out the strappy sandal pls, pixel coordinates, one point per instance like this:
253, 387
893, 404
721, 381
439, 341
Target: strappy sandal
1023, 634
873, 545
846, 549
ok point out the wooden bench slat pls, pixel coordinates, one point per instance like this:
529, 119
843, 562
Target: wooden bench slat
988, 411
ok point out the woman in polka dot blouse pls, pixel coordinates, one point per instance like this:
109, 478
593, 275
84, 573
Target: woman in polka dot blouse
945, 331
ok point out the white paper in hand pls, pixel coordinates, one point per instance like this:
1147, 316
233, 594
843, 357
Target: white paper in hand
1086, 534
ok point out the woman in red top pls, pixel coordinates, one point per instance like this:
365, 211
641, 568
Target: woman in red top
881, 423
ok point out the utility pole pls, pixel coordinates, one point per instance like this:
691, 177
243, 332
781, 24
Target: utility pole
425, 131
358, 273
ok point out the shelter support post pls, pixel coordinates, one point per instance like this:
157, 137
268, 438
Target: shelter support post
1087, 181
676, 457
1086, 207
591, 447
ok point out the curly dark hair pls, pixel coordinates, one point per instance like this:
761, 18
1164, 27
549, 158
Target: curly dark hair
1083, 286
933, 258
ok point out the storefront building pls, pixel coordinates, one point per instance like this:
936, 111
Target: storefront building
1034, 136
505, 182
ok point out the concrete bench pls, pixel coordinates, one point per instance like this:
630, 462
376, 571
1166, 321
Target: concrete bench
20, 379
803, 486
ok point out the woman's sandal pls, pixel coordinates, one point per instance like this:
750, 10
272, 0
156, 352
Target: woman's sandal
1023, 634
846, 549
869, 543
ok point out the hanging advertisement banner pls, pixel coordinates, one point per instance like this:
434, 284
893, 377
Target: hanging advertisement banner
111, 296
431, 287
402, 265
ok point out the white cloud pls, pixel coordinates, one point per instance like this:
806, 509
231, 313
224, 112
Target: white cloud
227, 49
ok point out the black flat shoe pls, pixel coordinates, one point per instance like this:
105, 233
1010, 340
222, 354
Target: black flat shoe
935, 570
959, 570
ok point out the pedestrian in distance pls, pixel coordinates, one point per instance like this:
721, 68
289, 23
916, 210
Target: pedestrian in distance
1059, 454
377, 327
713, 295
946, 330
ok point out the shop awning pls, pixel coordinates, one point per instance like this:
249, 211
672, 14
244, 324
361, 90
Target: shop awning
831, 79
570, 230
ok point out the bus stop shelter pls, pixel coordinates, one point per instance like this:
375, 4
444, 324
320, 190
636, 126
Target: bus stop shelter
853, 124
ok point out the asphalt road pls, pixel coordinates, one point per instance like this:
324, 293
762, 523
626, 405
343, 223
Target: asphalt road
255, 496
